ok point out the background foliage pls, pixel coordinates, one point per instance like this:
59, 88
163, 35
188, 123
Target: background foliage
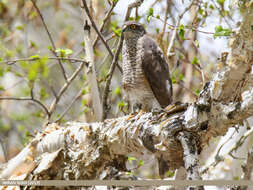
192, 33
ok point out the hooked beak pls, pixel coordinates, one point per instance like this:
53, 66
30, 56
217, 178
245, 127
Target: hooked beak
124, 28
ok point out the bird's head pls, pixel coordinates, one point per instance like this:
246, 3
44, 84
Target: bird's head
133, 29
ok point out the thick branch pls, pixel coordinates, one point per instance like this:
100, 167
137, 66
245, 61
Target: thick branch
92, 77
191, 161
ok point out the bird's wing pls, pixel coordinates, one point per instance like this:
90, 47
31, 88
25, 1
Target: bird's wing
156, 70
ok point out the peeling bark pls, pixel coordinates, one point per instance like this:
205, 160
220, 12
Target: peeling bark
98, 150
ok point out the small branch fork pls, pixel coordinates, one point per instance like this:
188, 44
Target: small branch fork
85, 7
172, 40
58, 96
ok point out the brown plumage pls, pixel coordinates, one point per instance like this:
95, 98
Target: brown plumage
146, 76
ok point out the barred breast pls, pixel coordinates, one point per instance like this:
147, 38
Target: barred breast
135, 84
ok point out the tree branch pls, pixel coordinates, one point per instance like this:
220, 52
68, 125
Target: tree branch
107, 16
11, 62
97, 31
50, 38
64, 88
44, 108
191, 161
91, 74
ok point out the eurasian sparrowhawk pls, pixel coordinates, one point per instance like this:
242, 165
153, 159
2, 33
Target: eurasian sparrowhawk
146, 76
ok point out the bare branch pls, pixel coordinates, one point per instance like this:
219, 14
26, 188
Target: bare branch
107, 16
95, 27
78, 95
186, 26
51, 39
64, 88
97, 31
172, 40
44, 108
11, 62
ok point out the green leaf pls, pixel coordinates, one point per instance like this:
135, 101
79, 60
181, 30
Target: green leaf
195, 61
21, 128
121, 104
211, 6
63, 52
84, 92
43, 93
181, 77
169, 174
37, 67
68, 51
220, 31
35, 56
32, 74
1, 88
20, 27
150, 11
140, 163
196, 91
173, 80
5, 127
117, 91
221, 2
131, 159
1, 71
84, 102
181, 32
196, 43
50, 48
150, 14
116, 31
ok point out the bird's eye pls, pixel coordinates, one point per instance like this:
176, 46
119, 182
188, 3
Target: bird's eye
132, 26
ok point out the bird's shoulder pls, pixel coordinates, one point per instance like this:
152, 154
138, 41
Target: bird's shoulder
150, 47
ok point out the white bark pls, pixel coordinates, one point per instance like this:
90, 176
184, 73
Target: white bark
97, 150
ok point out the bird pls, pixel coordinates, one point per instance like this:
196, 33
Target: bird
146, 77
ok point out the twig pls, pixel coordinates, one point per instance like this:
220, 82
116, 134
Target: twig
242, 139
29, 99
107, 16
106, 57
186, 26
69, 106
95, 27
172, 40
50, 38
166, 18
11, 62
64, 88
98, 32
115, 60
109, 78
180, 83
